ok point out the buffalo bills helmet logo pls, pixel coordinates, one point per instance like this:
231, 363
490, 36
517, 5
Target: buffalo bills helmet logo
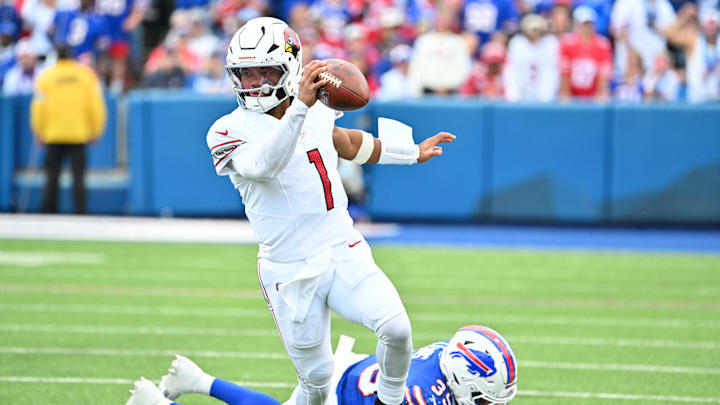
480, 364
292, 43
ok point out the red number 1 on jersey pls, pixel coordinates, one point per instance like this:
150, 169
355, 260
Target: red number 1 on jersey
316, 159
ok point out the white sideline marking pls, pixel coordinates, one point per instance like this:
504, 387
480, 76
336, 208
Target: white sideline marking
42, 258
123, 381
282, 356
414, 316
527, 393
162, 330
620, 397
138, 229
130, 229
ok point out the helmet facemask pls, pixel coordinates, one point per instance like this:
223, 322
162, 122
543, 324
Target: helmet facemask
263, 98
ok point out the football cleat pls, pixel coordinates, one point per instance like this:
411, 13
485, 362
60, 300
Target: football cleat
184, 377
144, 392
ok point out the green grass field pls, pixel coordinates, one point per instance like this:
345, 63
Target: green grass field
79, 321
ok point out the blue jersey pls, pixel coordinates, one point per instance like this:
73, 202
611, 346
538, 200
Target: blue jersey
426, 384
185, 4
484, 17
10, 23
115, 13
79, 30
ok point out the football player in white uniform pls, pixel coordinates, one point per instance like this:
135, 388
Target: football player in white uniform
280, 149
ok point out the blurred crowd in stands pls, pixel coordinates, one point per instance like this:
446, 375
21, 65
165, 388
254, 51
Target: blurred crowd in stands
515, 50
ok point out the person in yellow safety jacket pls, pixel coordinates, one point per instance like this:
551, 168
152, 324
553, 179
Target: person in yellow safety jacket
67, 111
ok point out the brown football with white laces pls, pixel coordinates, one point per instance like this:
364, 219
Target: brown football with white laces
347, 89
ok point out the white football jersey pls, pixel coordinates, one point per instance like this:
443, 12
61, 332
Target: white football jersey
532, 71
301, 212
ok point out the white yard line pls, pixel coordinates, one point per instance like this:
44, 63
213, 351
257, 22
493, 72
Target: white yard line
644, 343
117, 273
44, 258
176, 331
414, 299
122, 381
618, 397
143, 353
255, 384
224, 312
644, 368
133, 291
569, 320
126, 330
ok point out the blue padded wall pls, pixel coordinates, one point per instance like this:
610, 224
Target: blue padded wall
552, 163
450, 187
7, 161
171, 167
548, 162
666, 164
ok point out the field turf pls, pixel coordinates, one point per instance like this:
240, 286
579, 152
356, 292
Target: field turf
79, 321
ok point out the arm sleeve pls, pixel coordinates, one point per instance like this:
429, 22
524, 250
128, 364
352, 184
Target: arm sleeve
259, 161
234, 394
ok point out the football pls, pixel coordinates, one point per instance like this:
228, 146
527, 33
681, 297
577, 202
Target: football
347, 89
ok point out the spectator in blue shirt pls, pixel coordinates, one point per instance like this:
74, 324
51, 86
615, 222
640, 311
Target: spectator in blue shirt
81, 29
677, 4
9, 20
486, 17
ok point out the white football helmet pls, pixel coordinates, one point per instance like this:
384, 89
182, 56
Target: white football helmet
479, 365
264, 41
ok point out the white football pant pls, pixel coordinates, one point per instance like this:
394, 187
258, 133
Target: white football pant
354, 287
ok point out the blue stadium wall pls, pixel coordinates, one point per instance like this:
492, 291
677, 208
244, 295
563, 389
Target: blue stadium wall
569, 163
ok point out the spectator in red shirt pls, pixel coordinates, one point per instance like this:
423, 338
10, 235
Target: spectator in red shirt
175, 46
486, 77
585, 60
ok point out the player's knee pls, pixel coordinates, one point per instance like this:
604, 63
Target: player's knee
397, 331
319, 375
